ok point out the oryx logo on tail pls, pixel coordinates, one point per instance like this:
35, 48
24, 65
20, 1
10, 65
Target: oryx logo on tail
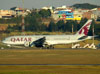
84, 30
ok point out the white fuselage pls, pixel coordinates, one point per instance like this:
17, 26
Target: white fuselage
50, 39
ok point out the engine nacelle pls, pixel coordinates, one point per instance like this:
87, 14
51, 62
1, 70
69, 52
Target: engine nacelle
27, 44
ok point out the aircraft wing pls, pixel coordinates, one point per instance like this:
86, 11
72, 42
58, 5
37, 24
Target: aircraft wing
83, 37
87, 37
39, 42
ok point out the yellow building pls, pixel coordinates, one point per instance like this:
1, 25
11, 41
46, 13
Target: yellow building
77, 17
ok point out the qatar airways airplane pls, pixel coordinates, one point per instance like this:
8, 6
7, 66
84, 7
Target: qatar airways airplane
49, 40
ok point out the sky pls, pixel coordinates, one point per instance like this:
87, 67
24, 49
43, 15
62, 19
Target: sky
7, 4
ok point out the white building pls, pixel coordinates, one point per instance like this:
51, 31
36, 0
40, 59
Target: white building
7, 14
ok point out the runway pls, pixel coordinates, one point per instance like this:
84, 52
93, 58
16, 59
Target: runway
49, 64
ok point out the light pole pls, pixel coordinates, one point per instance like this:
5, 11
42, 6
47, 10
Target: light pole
93, 33
23, 21
72, 33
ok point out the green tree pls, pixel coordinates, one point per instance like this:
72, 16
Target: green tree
13, 28
32, 22
68, 26
43, 27
82, 22
60, 25
45, 13
52, 27
9, 29
16, 20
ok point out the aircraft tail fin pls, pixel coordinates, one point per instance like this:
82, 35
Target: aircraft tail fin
85, 28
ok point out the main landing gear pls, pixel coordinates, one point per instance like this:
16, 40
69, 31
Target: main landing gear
48, 47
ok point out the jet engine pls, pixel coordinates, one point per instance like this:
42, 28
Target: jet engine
27, 44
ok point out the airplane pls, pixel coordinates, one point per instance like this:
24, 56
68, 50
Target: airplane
48, 41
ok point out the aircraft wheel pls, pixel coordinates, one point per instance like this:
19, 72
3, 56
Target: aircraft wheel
51, 47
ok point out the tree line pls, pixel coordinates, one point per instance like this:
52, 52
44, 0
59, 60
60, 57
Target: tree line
33, 22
